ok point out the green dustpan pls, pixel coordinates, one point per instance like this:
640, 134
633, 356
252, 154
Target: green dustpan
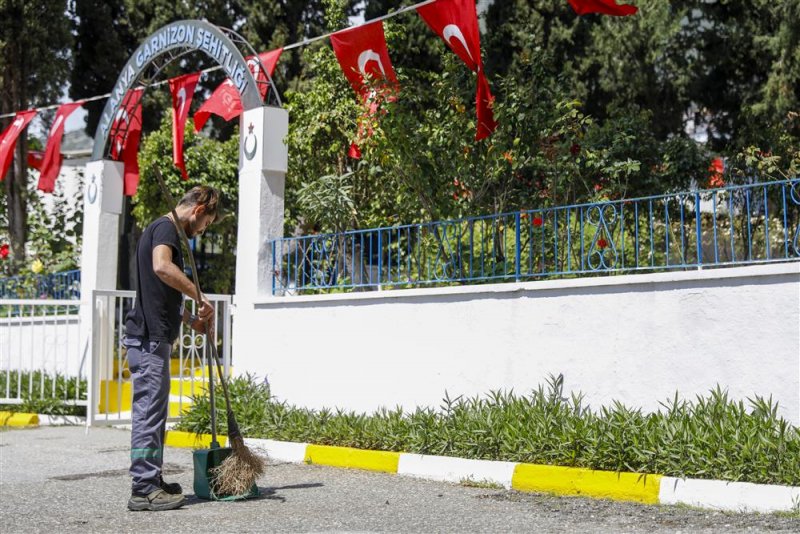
206, 460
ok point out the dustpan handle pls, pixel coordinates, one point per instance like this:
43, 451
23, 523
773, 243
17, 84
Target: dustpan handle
214, 443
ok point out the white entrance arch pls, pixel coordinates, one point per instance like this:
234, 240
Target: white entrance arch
263, 159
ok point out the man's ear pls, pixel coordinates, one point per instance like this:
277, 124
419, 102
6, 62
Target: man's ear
198, 210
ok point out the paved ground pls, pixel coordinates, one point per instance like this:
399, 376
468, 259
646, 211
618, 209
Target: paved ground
60, 479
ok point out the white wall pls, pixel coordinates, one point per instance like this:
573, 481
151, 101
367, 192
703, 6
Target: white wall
636, 339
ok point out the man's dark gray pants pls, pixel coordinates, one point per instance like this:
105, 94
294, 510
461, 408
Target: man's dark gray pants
148, 362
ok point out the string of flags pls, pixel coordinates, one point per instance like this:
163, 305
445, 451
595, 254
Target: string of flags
363, 56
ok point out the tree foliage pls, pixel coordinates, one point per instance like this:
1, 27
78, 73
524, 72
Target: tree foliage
589, 107
34, 64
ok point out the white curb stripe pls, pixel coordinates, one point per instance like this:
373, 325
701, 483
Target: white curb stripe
710, 494
731, 496
447, 469
61, 420
283, 451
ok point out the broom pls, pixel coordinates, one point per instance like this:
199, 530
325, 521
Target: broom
238, 472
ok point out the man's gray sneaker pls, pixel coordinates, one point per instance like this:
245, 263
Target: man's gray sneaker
156, 501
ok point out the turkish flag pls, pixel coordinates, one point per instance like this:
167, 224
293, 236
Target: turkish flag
35, 159
52, 154
606, 7
125, 133
456, 22
182, 89
362, 52
9, 139
225, 101
269, 60
125, 121
130, 159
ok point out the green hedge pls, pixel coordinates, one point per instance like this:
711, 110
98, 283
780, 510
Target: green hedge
709, 437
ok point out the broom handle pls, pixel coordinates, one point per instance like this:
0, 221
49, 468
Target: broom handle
212, 353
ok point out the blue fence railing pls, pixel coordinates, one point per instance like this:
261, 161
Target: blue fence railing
736, 225
59, 286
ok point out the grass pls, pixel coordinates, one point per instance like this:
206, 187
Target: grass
711, 436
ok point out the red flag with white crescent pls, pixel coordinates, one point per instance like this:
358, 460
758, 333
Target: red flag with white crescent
182, 89
225, 101
8, 139
362, 52
125, 121
456, 22
51, 165
605, 7
125, 133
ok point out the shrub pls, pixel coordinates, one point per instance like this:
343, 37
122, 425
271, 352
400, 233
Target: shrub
711, 437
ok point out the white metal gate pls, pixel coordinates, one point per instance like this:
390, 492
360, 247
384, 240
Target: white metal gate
110, 393
41, 358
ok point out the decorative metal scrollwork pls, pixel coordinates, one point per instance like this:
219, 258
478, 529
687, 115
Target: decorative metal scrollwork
602, 253
445, 265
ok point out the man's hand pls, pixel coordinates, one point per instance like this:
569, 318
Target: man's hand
206, 311
203, 327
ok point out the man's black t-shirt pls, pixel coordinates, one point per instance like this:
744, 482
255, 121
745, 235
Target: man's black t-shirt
157, 313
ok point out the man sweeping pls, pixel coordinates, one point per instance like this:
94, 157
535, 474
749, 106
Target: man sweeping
151, 328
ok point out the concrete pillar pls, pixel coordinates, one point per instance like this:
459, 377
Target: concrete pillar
263, 160
102, 206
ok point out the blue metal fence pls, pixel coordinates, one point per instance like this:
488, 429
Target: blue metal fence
59, 286
736, 225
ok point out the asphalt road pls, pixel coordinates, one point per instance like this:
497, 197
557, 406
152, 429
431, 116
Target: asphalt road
61, 479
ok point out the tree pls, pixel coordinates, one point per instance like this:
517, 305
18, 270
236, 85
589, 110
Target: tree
104, 40
34, 63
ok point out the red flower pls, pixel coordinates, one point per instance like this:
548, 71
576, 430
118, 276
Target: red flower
4, 250
575, 149
716, 181
716, 173
602, 243
354, 151
598, 187
537, 221
508, 157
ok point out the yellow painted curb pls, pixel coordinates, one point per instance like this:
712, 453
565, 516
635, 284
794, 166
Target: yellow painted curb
576, 481
189, 440
18, 419
355, 458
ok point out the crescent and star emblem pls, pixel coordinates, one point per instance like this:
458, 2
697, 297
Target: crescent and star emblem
91, 190
54, 127
450, 31
122, 116
250, 153
182, 98
14, 126
365, 57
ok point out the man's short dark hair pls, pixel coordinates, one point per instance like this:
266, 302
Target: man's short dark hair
203, 195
